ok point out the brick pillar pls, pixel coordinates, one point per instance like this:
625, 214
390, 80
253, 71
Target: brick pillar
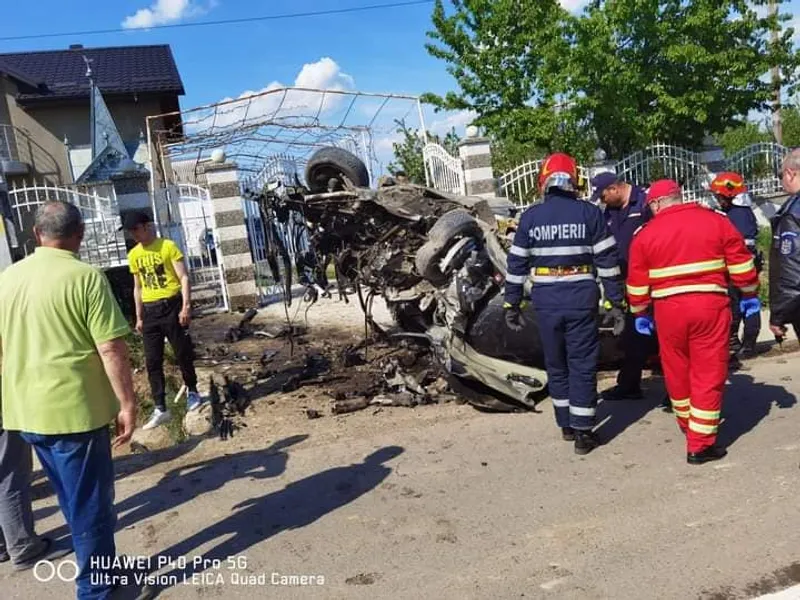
476, 154
233, 247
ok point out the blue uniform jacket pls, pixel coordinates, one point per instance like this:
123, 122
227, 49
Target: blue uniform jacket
744, 220
563, 231
623, 223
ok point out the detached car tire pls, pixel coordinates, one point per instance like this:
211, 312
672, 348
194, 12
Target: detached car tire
334, 163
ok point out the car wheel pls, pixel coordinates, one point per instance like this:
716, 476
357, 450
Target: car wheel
457, 222
427, 260
335, 163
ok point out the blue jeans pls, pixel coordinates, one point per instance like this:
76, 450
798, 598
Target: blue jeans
80, 469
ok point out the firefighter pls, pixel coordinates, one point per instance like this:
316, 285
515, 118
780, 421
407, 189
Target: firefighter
730, 192
564, 244
784, 254
682, 262
625, 211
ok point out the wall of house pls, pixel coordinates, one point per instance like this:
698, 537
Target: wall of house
41, 130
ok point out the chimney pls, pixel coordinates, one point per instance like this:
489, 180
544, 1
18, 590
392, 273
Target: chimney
76, 46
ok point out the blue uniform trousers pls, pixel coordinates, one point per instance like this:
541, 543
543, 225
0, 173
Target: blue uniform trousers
571, 351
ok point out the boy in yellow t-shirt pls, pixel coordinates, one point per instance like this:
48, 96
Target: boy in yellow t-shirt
163, 310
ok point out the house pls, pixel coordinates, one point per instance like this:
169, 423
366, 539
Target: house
60, 110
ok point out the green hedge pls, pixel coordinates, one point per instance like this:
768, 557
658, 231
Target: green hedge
763, 243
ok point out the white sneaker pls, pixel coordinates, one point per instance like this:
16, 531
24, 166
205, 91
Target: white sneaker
194, 401
159, 418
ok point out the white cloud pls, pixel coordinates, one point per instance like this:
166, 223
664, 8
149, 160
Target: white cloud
573, 5
458, 120
164, 12
294, 106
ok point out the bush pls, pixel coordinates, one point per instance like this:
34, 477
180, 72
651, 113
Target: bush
763, 242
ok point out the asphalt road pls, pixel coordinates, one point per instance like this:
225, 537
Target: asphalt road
470, 505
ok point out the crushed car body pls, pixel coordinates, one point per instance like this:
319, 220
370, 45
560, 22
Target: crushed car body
439, 262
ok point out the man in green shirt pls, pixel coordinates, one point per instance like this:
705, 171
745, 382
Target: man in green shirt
65, 378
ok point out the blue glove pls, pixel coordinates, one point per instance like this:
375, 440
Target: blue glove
644, 325
750, 307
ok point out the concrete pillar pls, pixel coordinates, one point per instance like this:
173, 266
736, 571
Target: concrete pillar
476, 154
233, 248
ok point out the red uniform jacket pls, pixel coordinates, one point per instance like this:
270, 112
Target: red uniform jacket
686, 249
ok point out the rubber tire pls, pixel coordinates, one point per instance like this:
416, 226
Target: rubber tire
457, 222
337, 163
426, 261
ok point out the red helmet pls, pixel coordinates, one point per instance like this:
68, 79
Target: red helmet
728, 185
558, 170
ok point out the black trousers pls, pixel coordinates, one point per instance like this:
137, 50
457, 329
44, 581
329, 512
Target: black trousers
159, 321
637, 348
752, 325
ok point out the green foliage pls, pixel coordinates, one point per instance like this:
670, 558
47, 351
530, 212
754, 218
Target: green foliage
622, 75
408, 152
741, 136
790, 117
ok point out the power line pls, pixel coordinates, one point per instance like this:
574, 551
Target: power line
316, 13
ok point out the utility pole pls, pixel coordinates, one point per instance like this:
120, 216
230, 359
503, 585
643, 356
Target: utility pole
777, 126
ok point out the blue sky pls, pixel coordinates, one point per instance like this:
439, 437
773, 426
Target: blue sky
375, 51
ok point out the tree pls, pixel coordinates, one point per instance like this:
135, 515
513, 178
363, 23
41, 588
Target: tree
408, 152
740, 137
624, 74
507, 59
791, 126
673, 70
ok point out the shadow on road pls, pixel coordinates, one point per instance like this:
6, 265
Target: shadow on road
297, 505
747, 402
617, 415
123, 466
190, 481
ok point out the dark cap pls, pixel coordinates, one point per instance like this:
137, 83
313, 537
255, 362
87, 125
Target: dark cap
135, 218
600, 182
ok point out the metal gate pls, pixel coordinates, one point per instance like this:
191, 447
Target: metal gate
443, 172
520, 185
103, 245
760, 165
190, 223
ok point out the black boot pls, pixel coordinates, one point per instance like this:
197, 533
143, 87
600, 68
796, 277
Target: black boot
706, 455
585, 441
666, 404
617, 393
568, 434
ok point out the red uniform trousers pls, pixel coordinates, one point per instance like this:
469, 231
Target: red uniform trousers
693, 333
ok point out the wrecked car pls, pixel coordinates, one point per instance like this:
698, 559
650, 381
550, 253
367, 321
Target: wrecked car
439, 262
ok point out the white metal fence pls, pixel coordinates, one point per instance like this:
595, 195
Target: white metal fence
520, 185
760, 165
443, 171
190, 223
103, 245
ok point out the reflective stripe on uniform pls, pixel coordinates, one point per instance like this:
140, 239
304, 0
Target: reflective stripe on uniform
515, 278
681, 413
559, 403
605, 244
613, 271
680, 406
560, 251
517, 251
635, 290
686, 289
749, 288
638, 309
680, 403
741, 267
702, 428
688, 269
706, 415
562, 278
582, 411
